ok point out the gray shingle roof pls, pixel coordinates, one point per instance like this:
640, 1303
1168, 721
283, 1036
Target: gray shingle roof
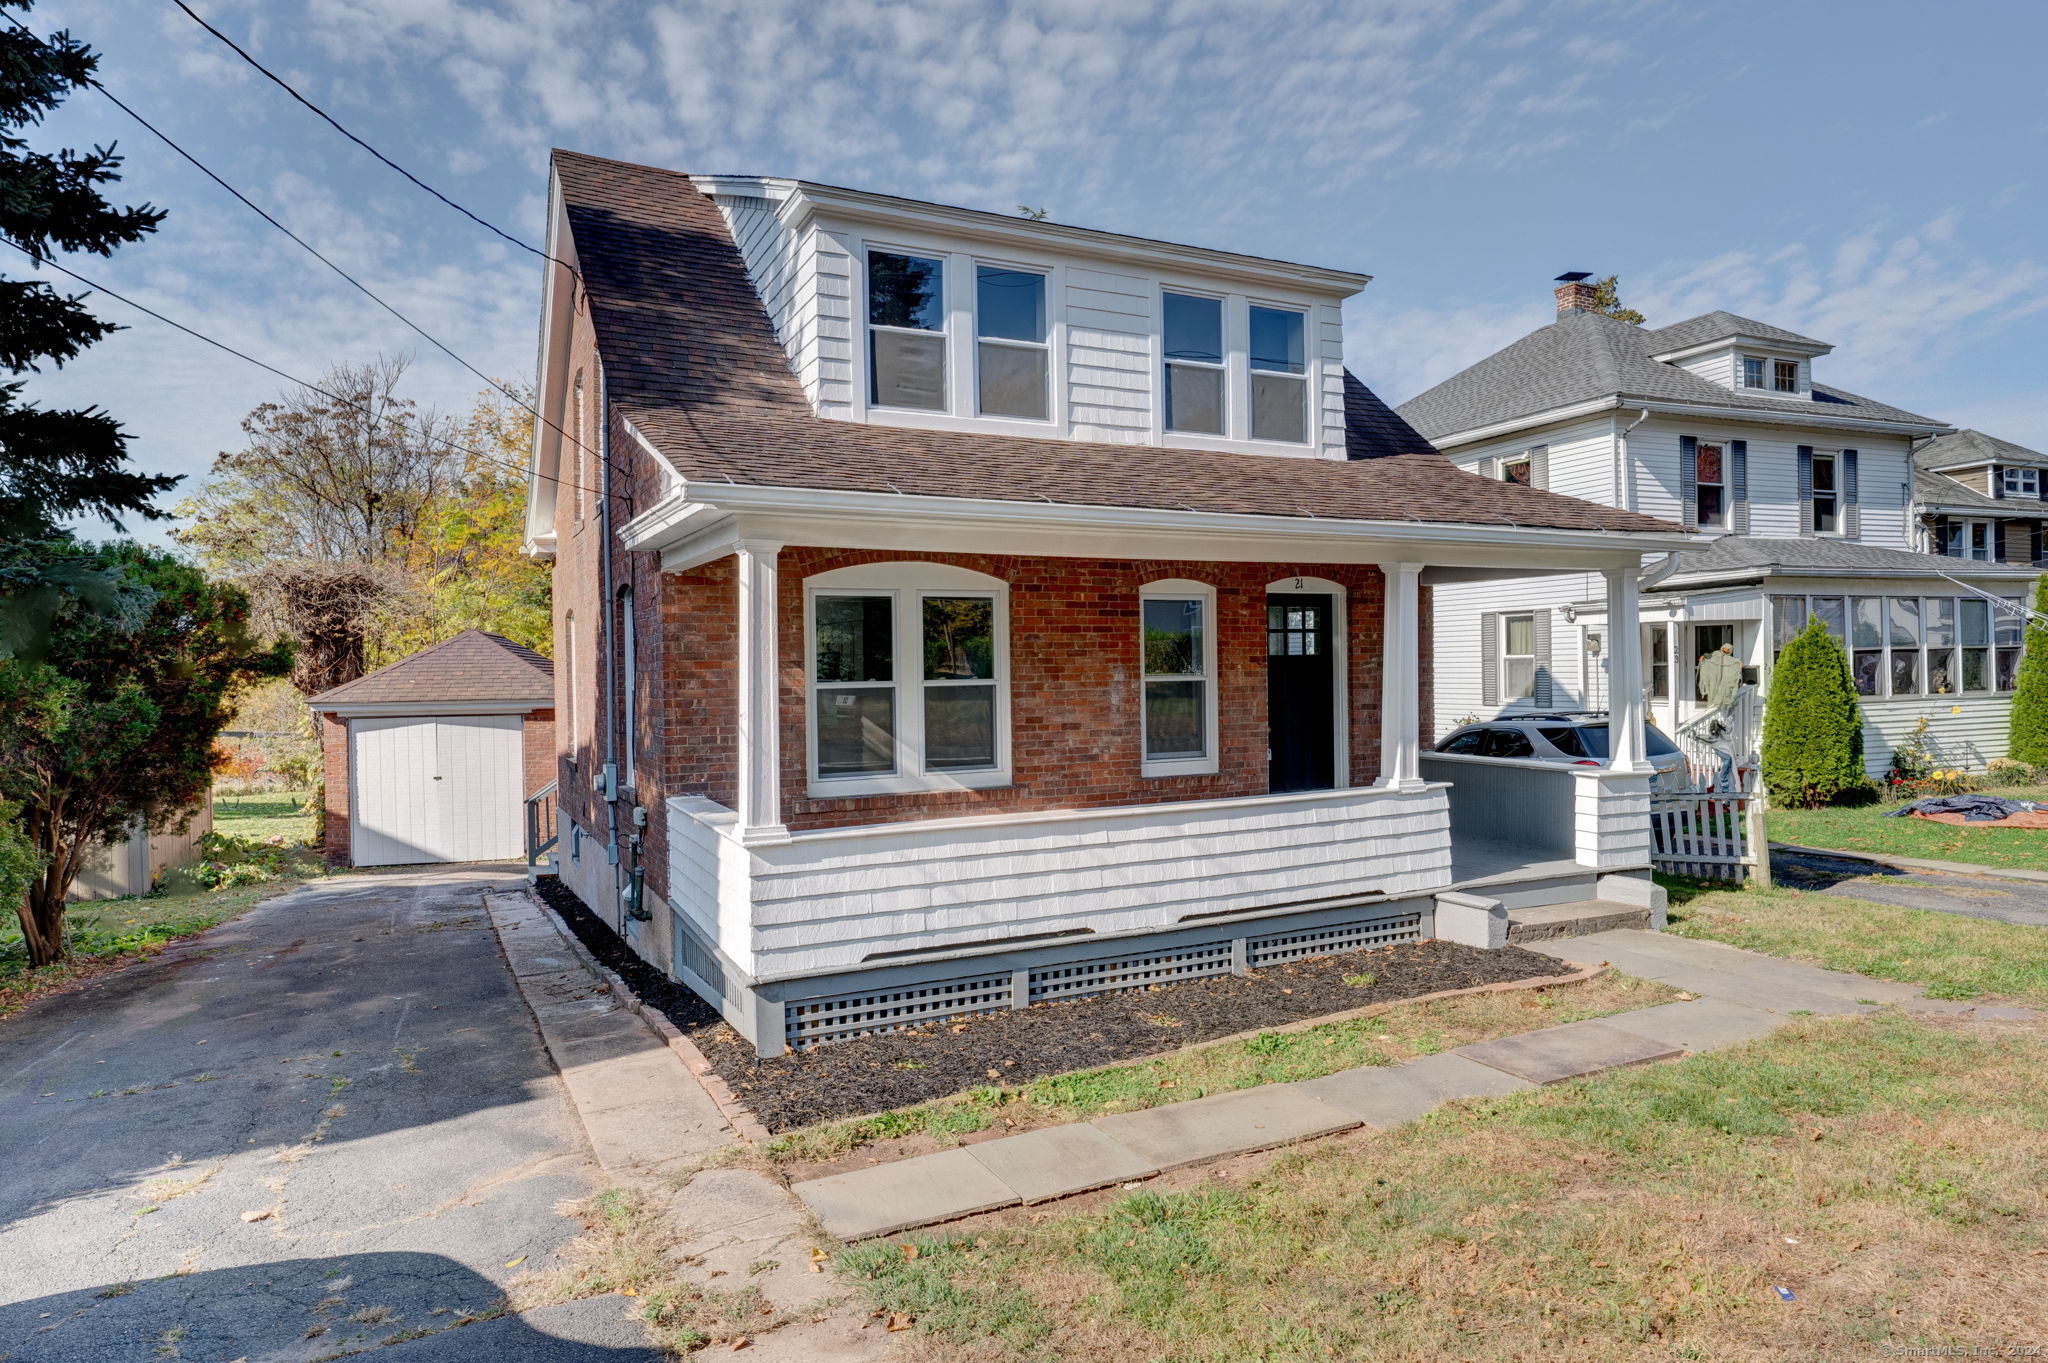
1933, 490
1973, 447
1748, 556
691, 359
1584, 356
1720, 326
471, 666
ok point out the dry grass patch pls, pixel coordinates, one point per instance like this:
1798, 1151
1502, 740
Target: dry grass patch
1950, 955
1400, 1031
628, 1246
1891, 1175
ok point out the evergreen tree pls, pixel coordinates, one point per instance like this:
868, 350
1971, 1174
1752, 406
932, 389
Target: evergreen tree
1607, 301
57, 464
2030, 693
1813, 726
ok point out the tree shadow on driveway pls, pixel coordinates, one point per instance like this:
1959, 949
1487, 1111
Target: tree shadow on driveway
402, 1307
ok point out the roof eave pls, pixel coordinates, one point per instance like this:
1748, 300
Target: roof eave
1673, 407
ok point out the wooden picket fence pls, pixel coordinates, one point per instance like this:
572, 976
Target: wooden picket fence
1707, 834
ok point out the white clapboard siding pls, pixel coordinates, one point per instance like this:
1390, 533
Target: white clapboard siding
1455, 610
1884, 474
829, 900
1110, 321
805, 282
1967, 731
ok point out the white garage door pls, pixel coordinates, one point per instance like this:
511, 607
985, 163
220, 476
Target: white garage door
441, 789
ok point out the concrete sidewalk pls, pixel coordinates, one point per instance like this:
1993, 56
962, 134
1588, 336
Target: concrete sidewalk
1743, 995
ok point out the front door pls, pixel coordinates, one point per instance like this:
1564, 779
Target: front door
1301, 691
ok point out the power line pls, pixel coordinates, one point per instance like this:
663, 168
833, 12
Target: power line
313, 251
197, 335
281, 84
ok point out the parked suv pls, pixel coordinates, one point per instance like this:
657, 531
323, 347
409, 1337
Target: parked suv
1579, 739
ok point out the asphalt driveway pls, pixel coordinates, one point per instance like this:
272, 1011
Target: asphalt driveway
326, 1127
2009, 901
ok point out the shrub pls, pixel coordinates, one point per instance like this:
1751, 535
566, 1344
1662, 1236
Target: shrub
2029, 733
226, 860
1813, 727
2004, 771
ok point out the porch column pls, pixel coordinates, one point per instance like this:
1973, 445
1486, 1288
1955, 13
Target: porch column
1625, 673
760, 723
1400, 678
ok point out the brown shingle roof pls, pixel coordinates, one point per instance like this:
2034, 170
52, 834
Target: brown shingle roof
472, 666
691, 359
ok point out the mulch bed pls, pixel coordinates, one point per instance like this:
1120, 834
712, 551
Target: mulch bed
850, 1078
2026, 818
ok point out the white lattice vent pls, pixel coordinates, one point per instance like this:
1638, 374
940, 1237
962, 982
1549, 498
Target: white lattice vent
1117, 973
1327, 941
812, 1021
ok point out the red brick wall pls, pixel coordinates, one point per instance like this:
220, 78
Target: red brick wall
537, 748
334, 762
1074, 687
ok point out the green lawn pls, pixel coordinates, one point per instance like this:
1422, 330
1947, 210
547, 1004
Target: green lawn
1867, 830
1953, 957
1840, 1186
264, 816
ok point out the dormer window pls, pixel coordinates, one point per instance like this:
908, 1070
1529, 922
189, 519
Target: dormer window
1013, 353
1785, 376
1279, 364
2021, 482
906, 331
1776, 376
1752, 371
1194, 364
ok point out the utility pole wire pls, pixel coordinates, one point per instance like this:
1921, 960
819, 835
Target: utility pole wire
330, 120
197, 335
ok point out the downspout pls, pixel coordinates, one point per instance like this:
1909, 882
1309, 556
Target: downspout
1624, 469
606, 632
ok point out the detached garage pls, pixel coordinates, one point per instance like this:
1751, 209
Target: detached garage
432, 758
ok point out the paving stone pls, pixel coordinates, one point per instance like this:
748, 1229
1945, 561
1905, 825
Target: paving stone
1743, 983
1692, 952
914, 1192
1391, 1095
1941, 1008
1557, 1053
652, 1075
1227, 1124
654, 1135
1059, 1160
1699, 1025
1999, 1012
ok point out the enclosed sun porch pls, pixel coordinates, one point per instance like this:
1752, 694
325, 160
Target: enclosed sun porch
1015, 754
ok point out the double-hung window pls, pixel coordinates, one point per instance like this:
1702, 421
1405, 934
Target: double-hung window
1518, 656
1194, 363
2021, 482
908, 667
1752, 371
1827, 497
1013, 353
1177, 644
1970, 539
1785, 376
1710, 489
1279, 369
906, 331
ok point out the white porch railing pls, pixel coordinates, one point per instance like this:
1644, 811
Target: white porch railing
1720, 745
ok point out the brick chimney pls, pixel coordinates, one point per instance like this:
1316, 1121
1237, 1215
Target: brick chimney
1574, 294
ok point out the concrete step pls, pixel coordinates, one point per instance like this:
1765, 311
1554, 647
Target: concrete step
1546, 922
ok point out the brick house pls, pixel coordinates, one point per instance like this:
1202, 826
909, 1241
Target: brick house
957, 611
431, 758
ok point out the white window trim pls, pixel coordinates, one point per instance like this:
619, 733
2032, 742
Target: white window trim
2015, 481
906, 584
1222, 366
1052, 377
1769, 387
1814, 494
949, 382
1726, 520
1530, 694
1308, 377
1181, 589
1925, 651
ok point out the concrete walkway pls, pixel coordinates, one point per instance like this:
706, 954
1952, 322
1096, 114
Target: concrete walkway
1742, 995
325, 1127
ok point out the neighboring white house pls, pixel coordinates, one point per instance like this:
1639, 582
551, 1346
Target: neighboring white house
1804, 498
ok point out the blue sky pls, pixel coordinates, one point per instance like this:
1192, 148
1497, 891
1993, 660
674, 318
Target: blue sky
1855, 171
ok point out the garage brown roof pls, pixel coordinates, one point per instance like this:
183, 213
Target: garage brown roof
691, 359
472, 666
